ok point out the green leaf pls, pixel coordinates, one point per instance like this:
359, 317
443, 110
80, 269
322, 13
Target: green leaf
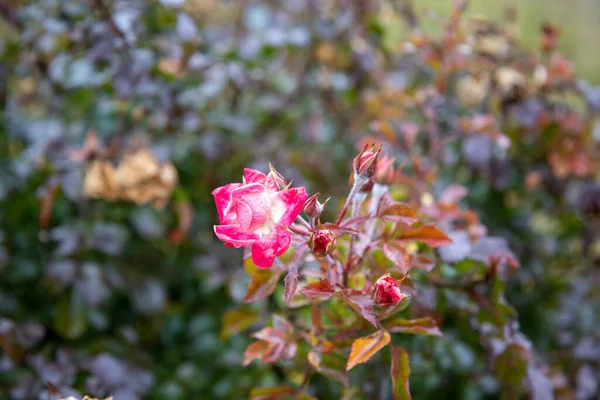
70, 319
503, 311
304, 396
419, 326
271, 393
236, 320
511, 366
329, 365
391, 310
255, 350
400, 372
351, 393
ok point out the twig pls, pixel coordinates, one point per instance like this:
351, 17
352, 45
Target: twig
305, 380
299, 230
349, 200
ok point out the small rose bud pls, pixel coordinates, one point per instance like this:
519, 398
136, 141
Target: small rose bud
322, 242
365, 163
385, 171
277, 177
313, 208
387, 291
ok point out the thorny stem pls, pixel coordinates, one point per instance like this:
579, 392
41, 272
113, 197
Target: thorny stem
349, 201
299, 230
348, 260
303, 222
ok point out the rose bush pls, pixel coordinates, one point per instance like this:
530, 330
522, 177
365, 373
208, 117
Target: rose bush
354, 263
118, 119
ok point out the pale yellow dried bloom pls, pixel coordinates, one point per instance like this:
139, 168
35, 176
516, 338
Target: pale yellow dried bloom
136, 168
100, 181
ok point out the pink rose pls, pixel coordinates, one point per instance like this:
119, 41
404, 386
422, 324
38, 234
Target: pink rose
387, 291
255, 213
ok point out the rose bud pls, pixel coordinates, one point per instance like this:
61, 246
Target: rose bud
313, 208
387, 291
365, 163
384, 175
322, 242
277, 177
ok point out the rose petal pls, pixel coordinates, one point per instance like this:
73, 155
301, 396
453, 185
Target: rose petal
222, 197
253, 176
286, 205
244, 214
252, 205
270, 246
231, 234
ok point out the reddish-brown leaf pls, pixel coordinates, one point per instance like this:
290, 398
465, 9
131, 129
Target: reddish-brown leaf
272, 393
291, 283
364, 348
9, 341
361, 303
319, 289
262, 283
400, 372
422, 261
397, 254
255, 350
48, 205
431, 235
282, 325
280, 342
419, 326
400, 212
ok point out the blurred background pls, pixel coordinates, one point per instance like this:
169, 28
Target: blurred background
578, 19
121, 290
